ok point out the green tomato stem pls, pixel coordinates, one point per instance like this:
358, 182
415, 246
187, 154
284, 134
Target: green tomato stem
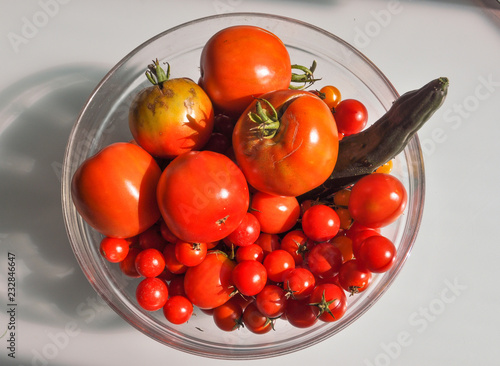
156, 75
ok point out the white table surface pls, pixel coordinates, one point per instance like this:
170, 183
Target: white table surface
443, 307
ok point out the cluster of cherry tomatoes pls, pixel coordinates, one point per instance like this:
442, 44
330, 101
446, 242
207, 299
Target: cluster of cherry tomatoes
201, 205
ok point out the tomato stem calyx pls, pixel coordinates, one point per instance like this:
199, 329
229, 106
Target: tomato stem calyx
156, 75
268, 121
306, 78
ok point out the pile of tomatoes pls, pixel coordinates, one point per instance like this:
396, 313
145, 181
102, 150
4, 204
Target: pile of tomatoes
201, 204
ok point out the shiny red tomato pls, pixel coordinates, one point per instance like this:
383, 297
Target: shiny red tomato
246, 233
354, 277
289, 148
271, 301
330, 302
297, 244
252, 252
203, 196
151, 293
299, 283
249, 277
255, 321
377, 253
351, 116
172, 117
115, 190
324, 260
278, 263
276, 214
320, 223
228, 316
377, 200
113, 249
190, 254
150, 262
209, 284
240, 63
178, 309
300, 313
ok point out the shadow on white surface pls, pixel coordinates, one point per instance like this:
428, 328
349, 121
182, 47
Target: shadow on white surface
36, 117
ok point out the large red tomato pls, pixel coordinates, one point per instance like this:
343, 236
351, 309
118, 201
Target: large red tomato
115, 190
172, 117
377, 200
203, 196
240, 63
294, 150
209, 284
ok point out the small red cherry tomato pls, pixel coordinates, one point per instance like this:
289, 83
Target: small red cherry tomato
330, 302
277, 264
320, 223
351, 116
113, 249
354, 277
152, 293
377, 253
324, 260
246, 233
178, 309
249, 277
150, 262
190, 254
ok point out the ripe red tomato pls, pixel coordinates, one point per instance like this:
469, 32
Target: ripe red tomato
294, 151
150, 262
115, 190
276, 214
255, 321
113, 249
324, 260
277, 264
151, 293
171, 117
152, 238
249, 277
252, 252
203, 196
178, 309
300, 314
377, 200
299, 283
320, 223
268, 242
330, 302
377, 253
271, 301
240, 63
228, 316
354, 277
190, 254
297, 244
209, 284
351, 116
246, 233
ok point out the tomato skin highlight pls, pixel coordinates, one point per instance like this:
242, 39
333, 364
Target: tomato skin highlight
240, 63
209, 284
203, 196
377, 200
301, 154
114, 190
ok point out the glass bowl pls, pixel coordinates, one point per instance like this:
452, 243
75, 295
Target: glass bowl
104, 120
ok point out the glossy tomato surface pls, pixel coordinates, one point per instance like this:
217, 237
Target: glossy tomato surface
203, 196
294, 154
240, 63
209, 284
115, 190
